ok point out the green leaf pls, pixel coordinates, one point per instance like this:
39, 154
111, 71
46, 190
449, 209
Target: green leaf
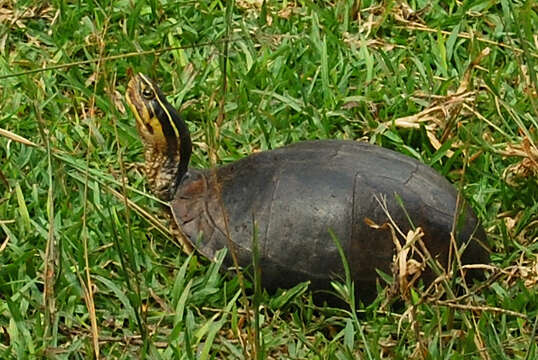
23, 210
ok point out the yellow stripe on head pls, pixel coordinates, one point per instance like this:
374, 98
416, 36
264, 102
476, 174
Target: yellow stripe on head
155, 123
150, 87
165, 135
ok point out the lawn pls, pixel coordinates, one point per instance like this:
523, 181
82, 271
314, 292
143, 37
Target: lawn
88, 267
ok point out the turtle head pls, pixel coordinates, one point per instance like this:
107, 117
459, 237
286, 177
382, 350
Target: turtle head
165, 136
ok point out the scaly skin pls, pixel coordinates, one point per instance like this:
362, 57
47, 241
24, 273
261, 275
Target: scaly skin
161, 172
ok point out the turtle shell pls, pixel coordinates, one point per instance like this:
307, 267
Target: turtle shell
294, 196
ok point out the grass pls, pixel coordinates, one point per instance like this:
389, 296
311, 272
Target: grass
87, 266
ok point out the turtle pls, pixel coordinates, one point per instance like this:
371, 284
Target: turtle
300, 200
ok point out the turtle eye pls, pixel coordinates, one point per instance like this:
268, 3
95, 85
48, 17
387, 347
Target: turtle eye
147, 94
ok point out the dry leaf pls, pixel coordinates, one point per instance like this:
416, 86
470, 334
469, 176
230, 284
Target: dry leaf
443, 110
527, 167
4, 244
91, 80
286, 12
117, 101
254, 6
15, 137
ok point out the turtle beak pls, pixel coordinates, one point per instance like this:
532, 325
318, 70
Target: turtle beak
135, 101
